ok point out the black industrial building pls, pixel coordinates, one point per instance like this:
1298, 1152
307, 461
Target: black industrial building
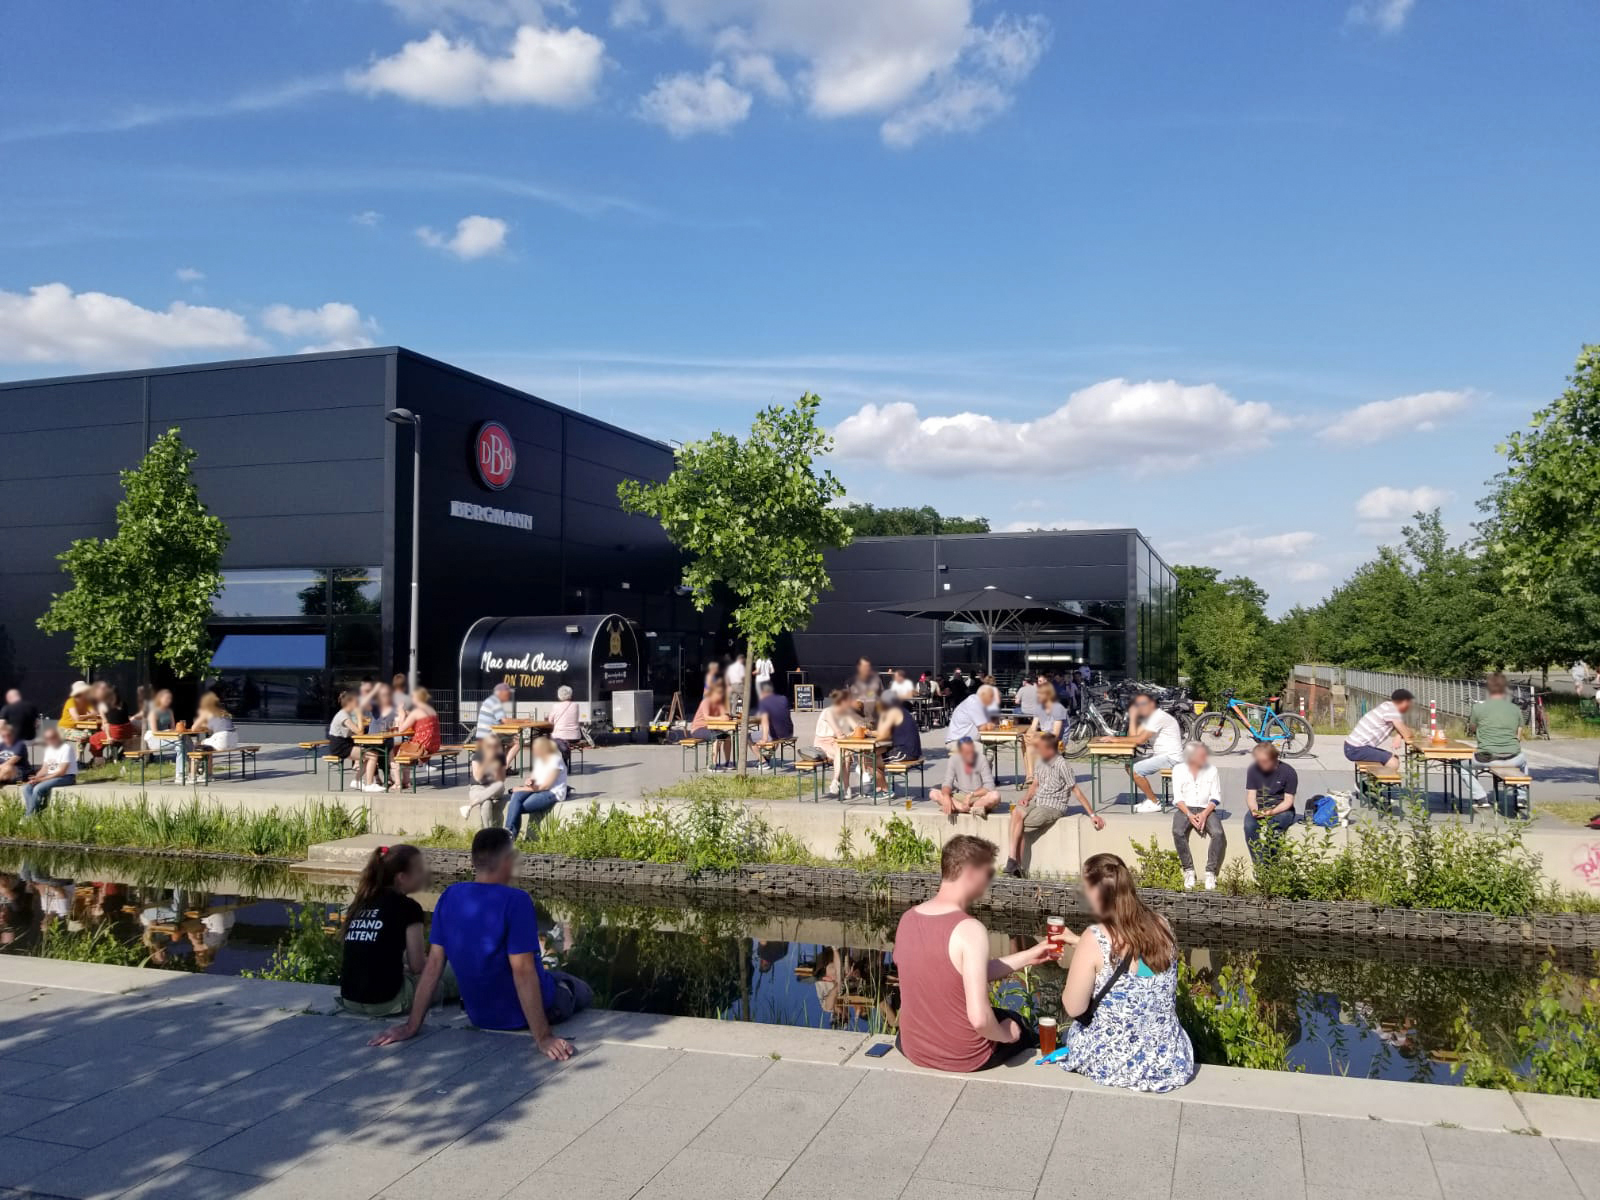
519, 516
1110, 575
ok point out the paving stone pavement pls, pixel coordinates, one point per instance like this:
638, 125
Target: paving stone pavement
158, 1093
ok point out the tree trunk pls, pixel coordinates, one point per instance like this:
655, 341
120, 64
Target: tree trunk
741, 742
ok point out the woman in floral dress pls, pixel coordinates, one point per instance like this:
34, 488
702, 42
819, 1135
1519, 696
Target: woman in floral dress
1129, 1036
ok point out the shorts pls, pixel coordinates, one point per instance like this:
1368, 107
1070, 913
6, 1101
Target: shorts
897, 756
1036, 818
705, 735
1371, 754
1156, 764
340, 747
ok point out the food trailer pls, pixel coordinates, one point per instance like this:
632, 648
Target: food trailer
596, 655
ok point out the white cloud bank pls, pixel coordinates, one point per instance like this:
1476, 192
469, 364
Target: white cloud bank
1389, 504
1418, 413
921, 66
544, 66
189, 275
1143, 426
475, 237
51, 323
1386, 16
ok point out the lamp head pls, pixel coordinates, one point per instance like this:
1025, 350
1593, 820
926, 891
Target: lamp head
400, 416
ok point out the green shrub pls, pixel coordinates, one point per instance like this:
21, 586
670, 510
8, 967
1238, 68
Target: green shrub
1158, 867
309, 953
1558, 1038
98, 944
897, 846
1227, 1022
189, 825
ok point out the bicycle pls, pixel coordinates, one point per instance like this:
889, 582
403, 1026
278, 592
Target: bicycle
1219, 731
1538, 721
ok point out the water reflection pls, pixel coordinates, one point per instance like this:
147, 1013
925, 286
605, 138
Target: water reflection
1360, 1007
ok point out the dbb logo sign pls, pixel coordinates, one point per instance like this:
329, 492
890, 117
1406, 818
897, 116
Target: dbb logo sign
495, 455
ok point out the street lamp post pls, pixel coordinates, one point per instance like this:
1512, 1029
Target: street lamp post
404, 416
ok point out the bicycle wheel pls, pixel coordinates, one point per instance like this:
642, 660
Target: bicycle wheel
1078, 737
1291, 734
1217, 732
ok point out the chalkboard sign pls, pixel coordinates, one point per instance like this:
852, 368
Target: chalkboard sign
805, 697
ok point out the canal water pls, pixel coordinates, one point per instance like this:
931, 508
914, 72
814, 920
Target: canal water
1365, 1008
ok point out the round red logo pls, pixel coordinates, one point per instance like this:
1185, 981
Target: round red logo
496, 455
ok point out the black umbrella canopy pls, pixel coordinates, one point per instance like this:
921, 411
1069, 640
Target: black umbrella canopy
993, 610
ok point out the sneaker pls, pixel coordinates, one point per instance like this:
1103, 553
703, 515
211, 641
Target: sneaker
466, 810
373, 787
981, 813
1188, 881
1147, 806
1211, 881
1014, 869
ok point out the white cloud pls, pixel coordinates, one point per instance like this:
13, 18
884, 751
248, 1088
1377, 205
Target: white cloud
1143, 426
369, 217
189, 275
1386, 16
1239, 547
52, 323
1062, 523
1390, 504
493, 13
921, 65
686, 104
1308, 572
335, 325
475, 237
555, 68
625, 14
1384, 418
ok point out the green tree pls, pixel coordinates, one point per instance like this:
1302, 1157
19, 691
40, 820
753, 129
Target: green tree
866, 520
1225, 639
755, 517
147, 591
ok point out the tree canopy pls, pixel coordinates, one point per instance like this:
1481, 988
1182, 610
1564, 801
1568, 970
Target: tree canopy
146, 591
866, 520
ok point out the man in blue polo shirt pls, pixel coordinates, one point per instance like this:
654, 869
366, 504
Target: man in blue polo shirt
488, 932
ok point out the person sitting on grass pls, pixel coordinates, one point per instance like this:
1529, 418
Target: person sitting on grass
13, 756
489, 932
549, 779
968, 783
1196, 792
385, 942
1054, 785
777, 724
59, 765
942, 953
1270, 786
1373, 738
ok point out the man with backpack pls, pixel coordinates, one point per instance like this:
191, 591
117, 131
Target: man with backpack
1269, 791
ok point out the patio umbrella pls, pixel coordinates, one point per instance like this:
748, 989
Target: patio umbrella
993, 610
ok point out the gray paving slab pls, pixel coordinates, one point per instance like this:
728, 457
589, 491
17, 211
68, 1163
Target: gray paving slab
699, 1174
111, 1114
270, 1147
125, 1161
1367, 1158
632, 1142
22, 1159
340, 1170
810, 1077
1116, 1128
19, 1111
486, 1164
770, 1122
711, 1080
933, 1189
982, 1148
256, 1096
1583, 1161
189, 1182
1239, 1153
549, 1184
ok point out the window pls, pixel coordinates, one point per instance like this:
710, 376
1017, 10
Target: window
277, 592
357, 591
270, 650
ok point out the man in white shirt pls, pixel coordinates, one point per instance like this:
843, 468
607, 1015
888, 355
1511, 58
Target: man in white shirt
1162, 737
58, 767
1580, 676
736, 672
902, 686
1196, 792
973, 715
492, 711
763, 672
1370, 741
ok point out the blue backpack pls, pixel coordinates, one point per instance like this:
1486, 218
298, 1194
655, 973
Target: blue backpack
1322, 811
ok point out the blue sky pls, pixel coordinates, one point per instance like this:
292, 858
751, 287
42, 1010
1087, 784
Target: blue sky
1256, 278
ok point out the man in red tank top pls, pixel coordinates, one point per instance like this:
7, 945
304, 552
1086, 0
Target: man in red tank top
942, 954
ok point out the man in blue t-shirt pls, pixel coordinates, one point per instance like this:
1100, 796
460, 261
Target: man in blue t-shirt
776, 724
489, 933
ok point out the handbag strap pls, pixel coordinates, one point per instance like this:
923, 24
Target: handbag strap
1094, 1001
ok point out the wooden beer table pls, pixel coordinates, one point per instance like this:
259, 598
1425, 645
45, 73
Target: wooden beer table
993, 739
1103, 748
862, 749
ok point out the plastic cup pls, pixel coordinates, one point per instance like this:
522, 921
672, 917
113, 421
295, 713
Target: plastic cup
1047, 1036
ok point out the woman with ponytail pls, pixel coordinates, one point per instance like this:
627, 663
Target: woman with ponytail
384, 942
1122, 989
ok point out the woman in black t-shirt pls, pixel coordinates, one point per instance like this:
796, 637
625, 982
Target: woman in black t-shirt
384, 941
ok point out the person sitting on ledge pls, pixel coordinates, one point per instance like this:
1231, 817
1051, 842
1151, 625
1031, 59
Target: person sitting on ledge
489, 932
1054, 785
968, 784
1196, 792
1122, 990
58, 767
549, 779
486, 794
385, 943
942, 953
13, 756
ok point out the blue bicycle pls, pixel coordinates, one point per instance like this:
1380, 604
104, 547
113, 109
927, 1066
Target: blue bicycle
1219, 731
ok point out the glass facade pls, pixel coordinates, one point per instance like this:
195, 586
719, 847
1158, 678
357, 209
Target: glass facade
289, 639
1156, 594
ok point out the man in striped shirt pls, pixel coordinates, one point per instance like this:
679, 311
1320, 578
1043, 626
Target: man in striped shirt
492, 711
1370, 740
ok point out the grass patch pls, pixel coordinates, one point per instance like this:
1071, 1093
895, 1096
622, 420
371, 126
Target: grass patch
111, 772
1562, 713
727, 786
191, 825
1575, 812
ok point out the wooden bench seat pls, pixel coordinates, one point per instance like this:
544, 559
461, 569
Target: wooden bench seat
1509, 777
902, 770
309, 752
814, 769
